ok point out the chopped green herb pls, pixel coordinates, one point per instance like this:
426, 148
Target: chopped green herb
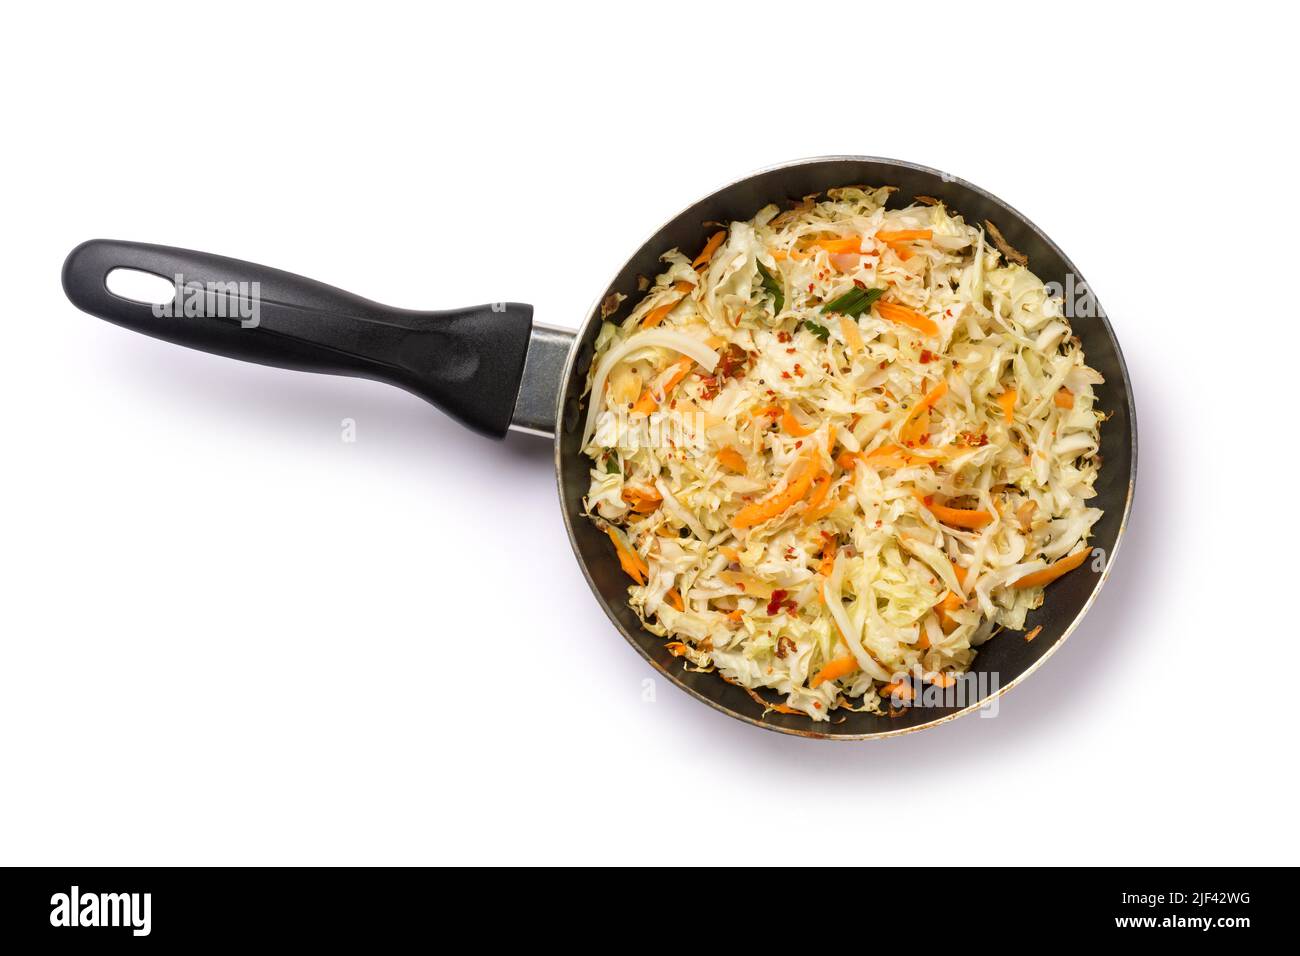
843, 302
818, 330
612, 466
854, 302
773, 285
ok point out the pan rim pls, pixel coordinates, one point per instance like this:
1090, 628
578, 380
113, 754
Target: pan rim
593, 312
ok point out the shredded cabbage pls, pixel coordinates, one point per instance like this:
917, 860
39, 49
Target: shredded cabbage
888, 426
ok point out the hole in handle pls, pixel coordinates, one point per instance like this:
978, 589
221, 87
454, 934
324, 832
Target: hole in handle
143, 287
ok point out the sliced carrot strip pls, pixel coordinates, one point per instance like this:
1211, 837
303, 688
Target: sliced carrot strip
642, 502
674, 597
1063, 399
761, 511
828, 558
658, 314
960, 517
914, 426
885, 451
792, 426
779, 708
900, 314
1007, 402
834, 670
820, 511
683, 367
647, 403
850, 246
732, 460
817, 503
1034, 633
631, 562
950, 603
1053, 571
823, 485
710, 248
904, 235
957, 517
894, 456
900, 689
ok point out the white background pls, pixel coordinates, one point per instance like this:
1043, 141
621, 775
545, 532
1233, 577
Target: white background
230, 637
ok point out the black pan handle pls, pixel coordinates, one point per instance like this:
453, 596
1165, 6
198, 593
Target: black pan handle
468, 362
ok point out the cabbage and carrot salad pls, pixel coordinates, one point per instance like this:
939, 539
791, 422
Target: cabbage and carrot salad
840, 448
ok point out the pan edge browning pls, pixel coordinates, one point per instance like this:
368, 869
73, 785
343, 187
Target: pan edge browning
1003, 661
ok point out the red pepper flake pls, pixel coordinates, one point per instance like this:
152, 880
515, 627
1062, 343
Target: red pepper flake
733, 361
926, 356
817, 704
790, 351
774, 605
785, 374
799, 443
810, 286
859, 283
885, 364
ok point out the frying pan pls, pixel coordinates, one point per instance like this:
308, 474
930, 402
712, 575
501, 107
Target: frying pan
494, 369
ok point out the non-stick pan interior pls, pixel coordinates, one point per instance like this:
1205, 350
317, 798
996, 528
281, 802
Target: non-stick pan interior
1007, 656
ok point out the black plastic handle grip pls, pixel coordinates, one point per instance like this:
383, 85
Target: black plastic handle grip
468, 362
